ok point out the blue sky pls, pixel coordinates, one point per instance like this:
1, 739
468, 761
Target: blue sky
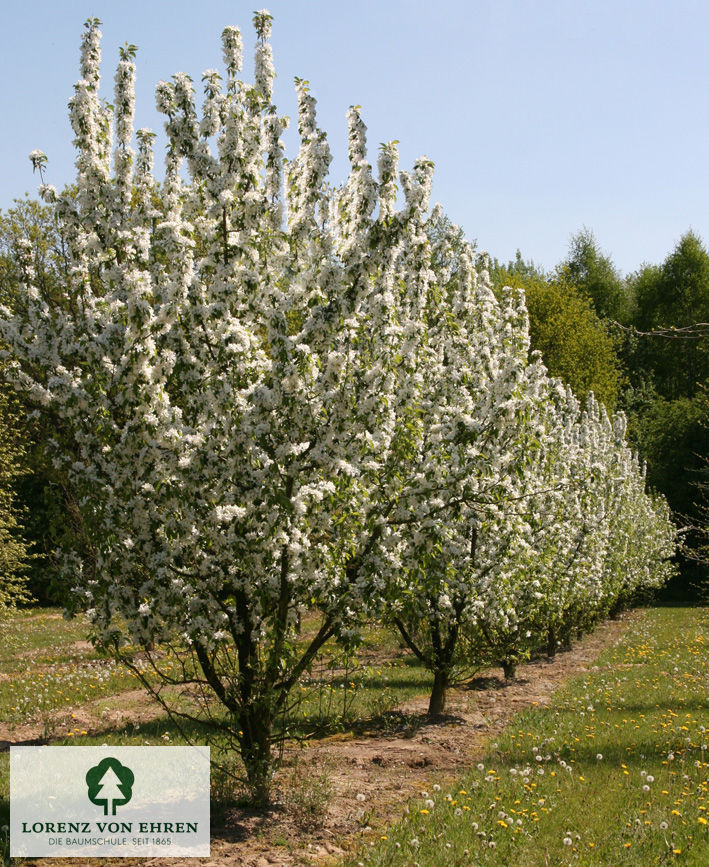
541, 116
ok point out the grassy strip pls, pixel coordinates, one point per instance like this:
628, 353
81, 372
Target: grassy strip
614, 771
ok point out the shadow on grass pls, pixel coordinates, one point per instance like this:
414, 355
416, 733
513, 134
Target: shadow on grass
191, 731
375, 683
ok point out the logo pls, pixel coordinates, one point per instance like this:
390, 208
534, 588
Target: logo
110, 785
109, 802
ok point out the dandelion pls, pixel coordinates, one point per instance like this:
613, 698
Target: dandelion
361, 797
664, 826
599, 757
568, 841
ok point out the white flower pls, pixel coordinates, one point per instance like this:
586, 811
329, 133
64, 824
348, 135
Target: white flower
38, 159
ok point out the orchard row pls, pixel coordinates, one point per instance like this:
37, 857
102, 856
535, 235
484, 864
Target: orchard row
272, 395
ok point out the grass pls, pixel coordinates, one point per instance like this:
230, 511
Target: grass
614, 771
43, 633
45, 672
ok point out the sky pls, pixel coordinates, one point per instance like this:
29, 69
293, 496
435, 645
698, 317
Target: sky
542, 116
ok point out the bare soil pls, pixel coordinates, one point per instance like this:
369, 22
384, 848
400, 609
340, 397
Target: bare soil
344, 789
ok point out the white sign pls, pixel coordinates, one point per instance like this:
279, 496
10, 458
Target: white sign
109, 801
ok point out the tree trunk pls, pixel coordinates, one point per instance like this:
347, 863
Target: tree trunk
551, 643
437, 702
509, 666
255, 741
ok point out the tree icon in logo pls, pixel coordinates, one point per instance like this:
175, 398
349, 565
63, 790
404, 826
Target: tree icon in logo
110, 784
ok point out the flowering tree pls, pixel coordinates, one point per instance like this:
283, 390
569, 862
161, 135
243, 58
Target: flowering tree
459, 519
236, 358
543, 524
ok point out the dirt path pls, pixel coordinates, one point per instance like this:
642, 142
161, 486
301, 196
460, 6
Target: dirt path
346, 788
